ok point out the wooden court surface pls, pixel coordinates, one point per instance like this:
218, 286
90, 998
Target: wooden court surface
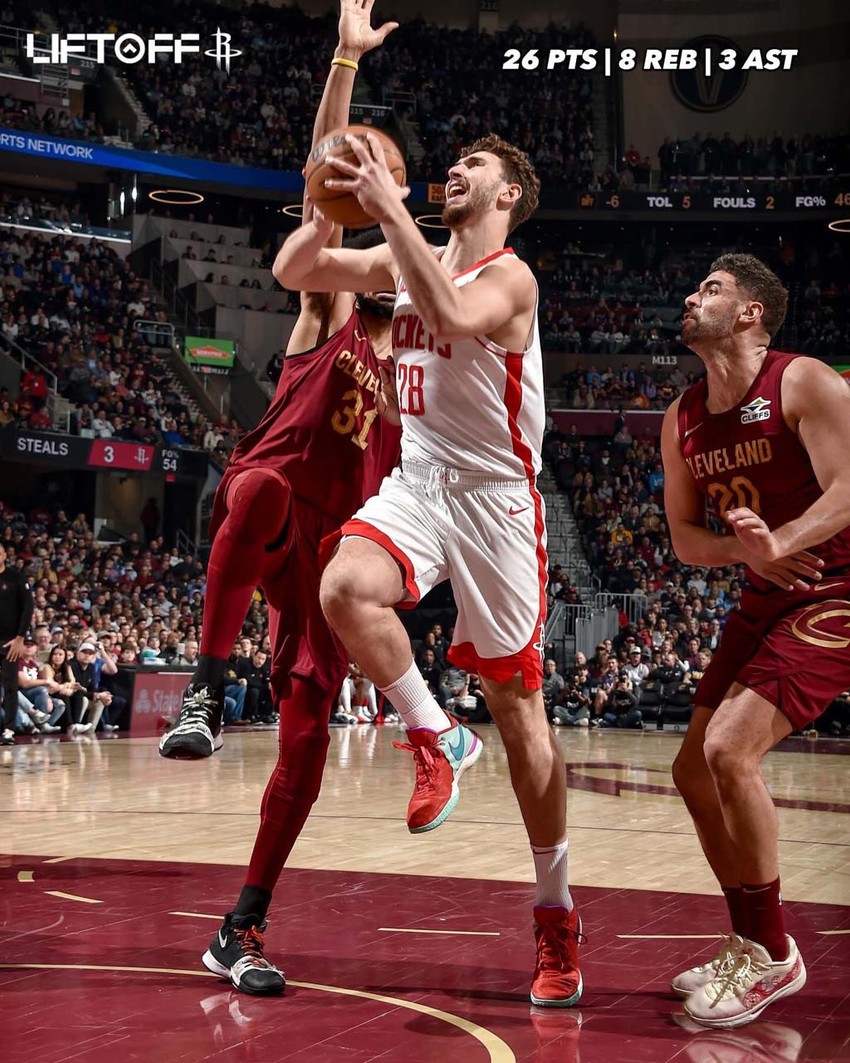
104, 839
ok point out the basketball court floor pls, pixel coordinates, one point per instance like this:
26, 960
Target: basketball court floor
117, 866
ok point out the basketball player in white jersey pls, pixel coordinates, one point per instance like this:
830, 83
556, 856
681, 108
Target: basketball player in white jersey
463, 505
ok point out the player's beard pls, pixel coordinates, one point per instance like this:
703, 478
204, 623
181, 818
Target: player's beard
368, 304
700, 331
477, 200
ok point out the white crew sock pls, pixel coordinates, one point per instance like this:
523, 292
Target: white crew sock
410, 697
550, 867
344, 703
371, 699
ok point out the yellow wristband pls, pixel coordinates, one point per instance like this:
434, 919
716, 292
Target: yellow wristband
345, 62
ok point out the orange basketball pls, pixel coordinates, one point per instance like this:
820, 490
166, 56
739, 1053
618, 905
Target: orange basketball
342, 207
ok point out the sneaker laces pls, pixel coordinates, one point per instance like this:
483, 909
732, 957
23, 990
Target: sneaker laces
251, 942
734, 976
195, 712
553, 953
426, 765
726, 953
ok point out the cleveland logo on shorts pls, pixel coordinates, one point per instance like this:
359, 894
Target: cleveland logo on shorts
811, 624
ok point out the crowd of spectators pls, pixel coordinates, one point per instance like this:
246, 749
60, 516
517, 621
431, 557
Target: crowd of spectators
774, 156
71, 304
261, 111
132, 589
724, 166
551, 119
593, 302
639, 387
100, 604
25, 116
258, 113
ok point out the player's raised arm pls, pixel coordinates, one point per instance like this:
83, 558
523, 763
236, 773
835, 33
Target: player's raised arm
304, 263
356, 38
500, 293
319, 317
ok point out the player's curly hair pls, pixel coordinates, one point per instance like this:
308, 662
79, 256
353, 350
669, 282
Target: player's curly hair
759, 282
518, 170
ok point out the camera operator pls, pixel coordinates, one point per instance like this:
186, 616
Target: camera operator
576, 699
621, 707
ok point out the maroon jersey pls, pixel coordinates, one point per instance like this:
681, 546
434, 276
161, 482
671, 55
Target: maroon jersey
748, 456
322, 431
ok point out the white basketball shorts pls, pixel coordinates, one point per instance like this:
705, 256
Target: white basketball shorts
489, 539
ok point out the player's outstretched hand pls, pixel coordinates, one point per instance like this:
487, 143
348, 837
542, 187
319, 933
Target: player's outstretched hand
355, 30
797, 572
370, 181
386, 397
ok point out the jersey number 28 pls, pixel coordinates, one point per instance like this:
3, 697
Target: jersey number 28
411, 381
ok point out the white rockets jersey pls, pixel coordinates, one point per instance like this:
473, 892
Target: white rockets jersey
467, 403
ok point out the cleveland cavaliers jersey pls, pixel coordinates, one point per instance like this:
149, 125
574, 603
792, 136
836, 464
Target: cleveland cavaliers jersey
467, 403
322, 430
748, 457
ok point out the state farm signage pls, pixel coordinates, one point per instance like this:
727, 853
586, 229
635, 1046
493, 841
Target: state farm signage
156, 698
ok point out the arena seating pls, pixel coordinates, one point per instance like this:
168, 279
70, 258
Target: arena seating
71, 304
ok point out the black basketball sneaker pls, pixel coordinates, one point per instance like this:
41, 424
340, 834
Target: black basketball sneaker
236, 953
197, 732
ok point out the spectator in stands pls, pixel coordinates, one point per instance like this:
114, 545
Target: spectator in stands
429, 642
255, 671
430, 671
59, 681
637, 668
86, 700
42, 638
553, 685
605, 683
36, 702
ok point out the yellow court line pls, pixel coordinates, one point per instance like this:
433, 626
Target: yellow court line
496, 1048
199, 915
26, 876
60, 859
73, 897
669, 937
832, 933
415, 930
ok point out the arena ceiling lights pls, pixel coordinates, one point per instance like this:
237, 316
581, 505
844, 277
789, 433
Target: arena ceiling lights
293, 210
176, 197
840, 225
430, 221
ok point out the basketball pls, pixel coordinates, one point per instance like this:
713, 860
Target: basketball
342, 207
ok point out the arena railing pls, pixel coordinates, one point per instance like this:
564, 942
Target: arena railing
57, 408
633, 605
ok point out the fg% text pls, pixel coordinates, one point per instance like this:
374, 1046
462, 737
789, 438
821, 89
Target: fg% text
609, 60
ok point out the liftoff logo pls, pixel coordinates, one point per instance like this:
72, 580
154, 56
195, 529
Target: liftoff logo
128, 48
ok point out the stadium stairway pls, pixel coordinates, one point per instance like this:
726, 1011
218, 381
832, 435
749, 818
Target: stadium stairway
563, 539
